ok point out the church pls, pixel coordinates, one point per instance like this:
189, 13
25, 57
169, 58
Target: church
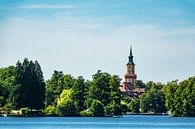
128, 86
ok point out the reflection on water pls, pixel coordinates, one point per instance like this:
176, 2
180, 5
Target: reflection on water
125, 122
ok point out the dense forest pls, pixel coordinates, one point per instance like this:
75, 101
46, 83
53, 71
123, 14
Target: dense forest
23, 88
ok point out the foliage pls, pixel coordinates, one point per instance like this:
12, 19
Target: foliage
55, 86
31, 92
23, 85
86, 113
8, 108
67, 108
100, 87
105, 88
97, 108
124, 108
1, 101
24, 111
79, 93
153, 85
153, 101
7, 83
180, 98
50, 110
65, 105
134, 106
65, 96
139, 84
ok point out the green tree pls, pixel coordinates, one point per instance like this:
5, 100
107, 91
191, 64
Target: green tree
170, 90
153, 101
79, 93
66, 105
134, 106
100, 87
50, 110
67, 108
180, 98
97, 108
32, 86
54, 87
7, 83
139, 84
115, 95
1, 101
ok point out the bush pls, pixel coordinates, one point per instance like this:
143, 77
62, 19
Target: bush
108, 110
50, 110
8, 108
124, 108
24, 111
86, 113
116, 109
134, 106
97, 108
67, 108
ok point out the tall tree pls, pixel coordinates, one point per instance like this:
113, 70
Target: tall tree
153, 101
65, 104
54, 87
115, 95
32, 87
180, 98
100, 87
7, 82
79, 94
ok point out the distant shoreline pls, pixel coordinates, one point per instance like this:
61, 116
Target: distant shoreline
149, 114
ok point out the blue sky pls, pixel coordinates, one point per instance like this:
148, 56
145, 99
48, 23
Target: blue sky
84, 36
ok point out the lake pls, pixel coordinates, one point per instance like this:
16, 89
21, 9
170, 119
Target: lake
125, 122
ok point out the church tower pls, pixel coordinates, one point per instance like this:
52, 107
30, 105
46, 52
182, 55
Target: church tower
128, 86
130, 76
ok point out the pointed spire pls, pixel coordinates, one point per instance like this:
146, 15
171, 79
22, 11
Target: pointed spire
131, 50
130, 56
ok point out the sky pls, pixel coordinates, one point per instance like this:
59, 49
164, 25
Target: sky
83, 36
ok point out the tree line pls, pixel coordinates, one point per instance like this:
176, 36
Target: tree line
23, 86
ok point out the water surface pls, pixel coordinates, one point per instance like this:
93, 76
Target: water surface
125, 122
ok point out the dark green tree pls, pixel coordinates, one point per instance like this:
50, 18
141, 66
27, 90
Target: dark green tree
97, 108
7, 83
100, 88
115, 95
153, 101
54, 87
139, 84
134, 106
180, 98
79, 93
32, 86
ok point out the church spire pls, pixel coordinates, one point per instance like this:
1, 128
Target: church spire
130, 56
131, 50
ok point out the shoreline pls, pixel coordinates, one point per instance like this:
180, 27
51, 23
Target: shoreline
147, 114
